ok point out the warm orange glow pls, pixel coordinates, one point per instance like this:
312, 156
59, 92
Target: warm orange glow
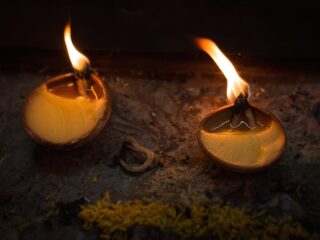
78, 60
236, 85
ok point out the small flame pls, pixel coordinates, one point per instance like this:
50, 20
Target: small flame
236, 85
79, 61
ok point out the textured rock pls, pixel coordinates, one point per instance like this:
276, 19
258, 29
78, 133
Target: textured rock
162, 111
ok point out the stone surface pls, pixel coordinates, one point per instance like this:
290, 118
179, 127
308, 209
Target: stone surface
162, 111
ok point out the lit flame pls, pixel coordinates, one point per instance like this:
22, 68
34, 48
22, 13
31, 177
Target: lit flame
79, 61
236, 85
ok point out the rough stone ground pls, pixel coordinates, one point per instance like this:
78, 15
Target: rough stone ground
162, 111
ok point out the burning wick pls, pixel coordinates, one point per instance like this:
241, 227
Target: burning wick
80, 63
242, 113
69, 109
239, 136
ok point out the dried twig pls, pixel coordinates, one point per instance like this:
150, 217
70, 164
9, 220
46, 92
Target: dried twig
131, 148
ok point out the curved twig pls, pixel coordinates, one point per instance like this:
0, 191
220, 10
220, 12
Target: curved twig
132, 147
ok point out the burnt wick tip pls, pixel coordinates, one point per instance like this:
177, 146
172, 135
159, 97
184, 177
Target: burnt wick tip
83, 80
84, 73
242, 112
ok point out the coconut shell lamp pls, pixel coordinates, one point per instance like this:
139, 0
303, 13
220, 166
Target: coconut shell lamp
69, 109
240, 137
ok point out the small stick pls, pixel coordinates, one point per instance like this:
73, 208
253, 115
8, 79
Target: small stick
251, 120
82, 86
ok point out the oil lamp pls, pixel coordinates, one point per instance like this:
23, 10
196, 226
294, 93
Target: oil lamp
69, 109
239, 136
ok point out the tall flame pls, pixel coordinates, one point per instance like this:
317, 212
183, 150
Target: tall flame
79, 61
236, 85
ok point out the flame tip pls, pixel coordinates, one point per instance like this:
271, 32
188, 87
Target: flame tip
79, 61
236, 85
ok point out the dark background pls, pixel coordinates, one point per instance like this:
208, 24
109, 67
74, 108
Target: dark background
279, 29
161, 87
